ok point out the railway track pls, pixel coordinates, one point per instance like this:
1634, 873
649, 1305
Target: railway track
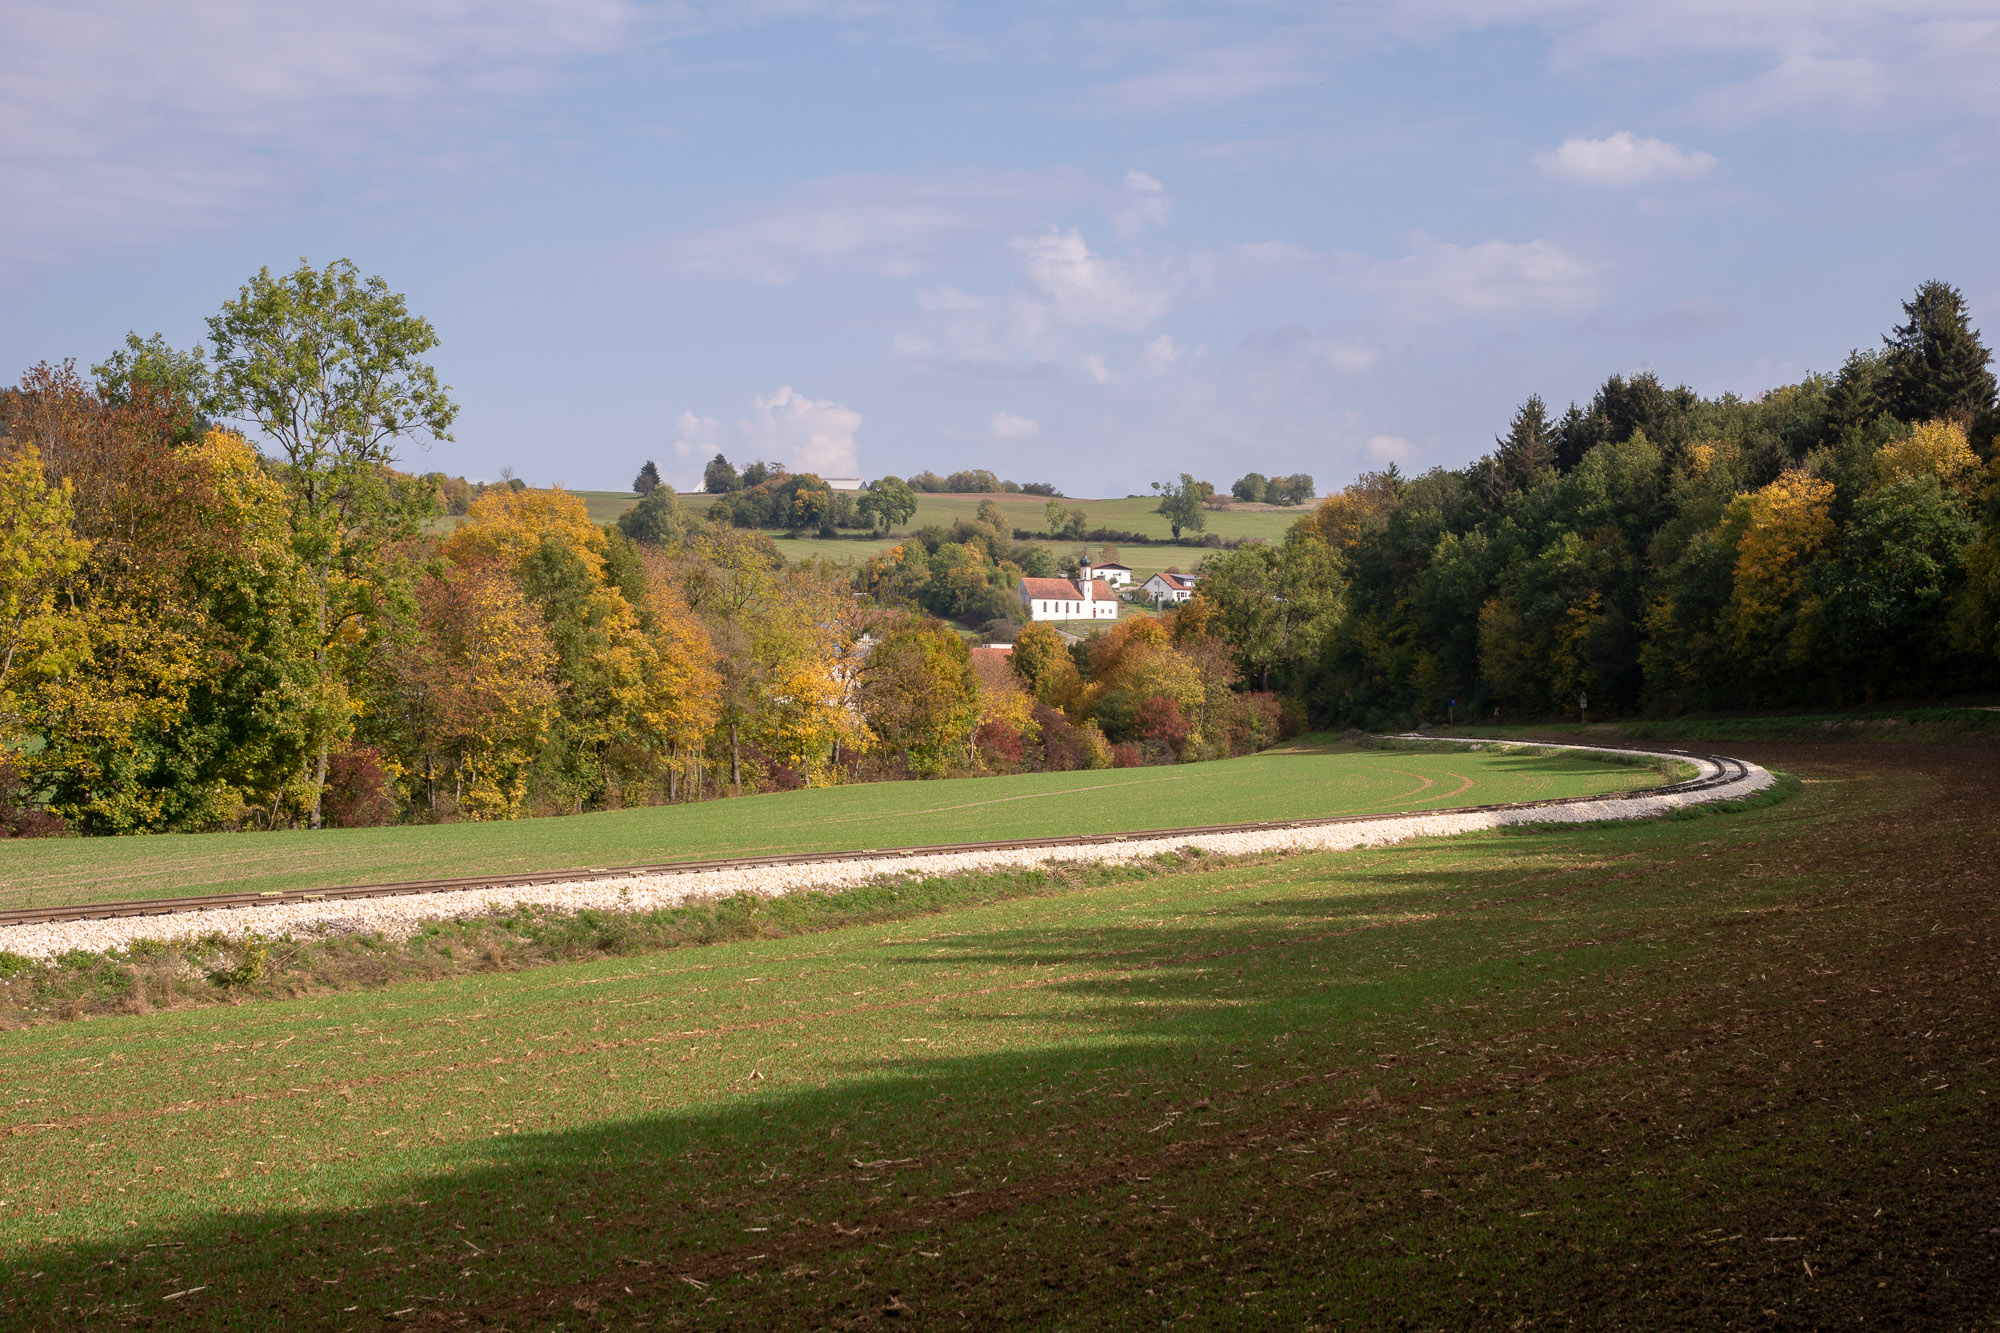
1717, 771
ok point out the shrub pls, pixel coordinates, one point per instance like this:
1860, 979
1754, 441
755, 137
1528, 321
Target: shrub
357, 790
1126, 755
1000, 746
21, 815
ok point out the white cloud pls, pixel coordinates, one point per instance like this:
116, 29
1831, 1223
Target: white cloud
123, 120
892, 225
1440, 279
1815, 54
1207, 77
1386, 449
1300, 344
1147, 205
1084, 288
948, 298
805, 434
1007, 426
1622, 159
1161, 354
1063, 289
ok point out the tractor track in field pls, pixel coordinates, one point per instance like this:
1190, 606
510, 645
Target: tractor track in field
1718, 771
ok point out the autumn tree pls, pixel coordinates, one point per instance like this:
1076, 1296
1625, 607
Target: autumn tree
39, 553
920, 696
474, 689
1043, 662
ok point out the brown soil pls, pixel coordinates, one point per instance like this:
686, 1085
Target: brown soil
1798, 1130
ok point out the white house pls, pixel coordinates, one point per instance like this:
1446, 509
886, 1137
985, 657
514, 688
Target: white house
844, 483
1164, 588
1059, 599
1111, 572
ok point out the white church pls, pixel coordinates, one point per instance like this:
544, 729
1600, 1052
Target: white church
1088, 598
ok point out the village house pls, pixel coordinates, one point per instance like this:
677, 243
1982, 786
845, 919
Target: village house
1174, 588
1059, 599
1113, 573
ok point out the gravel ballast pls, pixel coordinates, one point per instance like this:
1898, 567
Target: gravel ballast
401, 916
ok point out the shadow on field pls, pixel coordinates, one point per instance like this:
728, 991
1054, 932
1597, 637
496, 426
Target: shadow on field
1148, 1019
1597, 1078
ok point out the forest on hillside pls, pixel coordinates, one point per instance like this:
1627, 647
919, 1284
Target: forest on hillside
1829, 542
202, 632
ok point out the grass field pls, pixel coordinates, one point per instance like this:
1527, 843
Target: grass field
1024, 511
1302, 780
1733, 1071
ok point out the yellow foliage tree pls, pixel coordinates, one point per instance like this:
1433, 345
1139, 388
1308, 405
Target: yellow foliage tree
506, 526
38, 552
1784, 526
1934, 449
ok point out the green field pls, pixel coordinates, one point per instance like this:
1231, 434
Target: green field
1296, 782
1719, 1072
1023, 511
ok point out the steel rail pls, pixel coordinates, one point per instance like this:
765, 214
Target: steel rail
1723, 772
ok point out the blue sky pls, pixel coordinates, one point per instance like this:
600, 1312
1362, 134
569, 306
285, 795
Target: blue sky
1091, 244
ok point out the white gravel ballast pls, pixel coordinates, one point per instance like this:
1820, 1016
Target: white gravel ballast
403, 915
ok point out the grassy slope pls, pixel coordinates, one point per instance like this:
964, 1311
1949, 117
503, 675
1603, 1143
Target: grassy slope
1300, 781
1704, 1073
1024, 511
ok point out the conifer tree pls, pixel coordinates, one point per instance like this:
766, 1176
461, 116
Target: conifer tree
1936, 365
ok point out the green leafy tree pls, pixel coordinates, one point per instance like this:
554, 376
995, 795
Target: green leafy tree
648, 478
1182, 503
1278, 606
718, 478
150, 366
657, 520
329, 367
1249, 488
888, 503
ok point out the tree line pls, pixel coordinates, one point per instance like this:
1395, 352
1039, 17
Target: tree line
1829, 542
197, 632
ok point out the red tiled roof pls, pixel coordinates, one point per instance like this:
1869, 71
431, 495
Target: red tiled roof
1101, 590
1055, 589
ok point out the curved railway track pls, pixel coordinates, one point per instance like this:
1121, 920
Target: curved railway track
1718, 771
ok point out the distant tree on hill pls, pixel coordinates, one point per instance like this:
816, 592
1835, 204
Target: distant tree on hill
657, 520
928, 482
1182, 503
1249, 488
648, 478
718, 478
887, 503
973, 481
757, 473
